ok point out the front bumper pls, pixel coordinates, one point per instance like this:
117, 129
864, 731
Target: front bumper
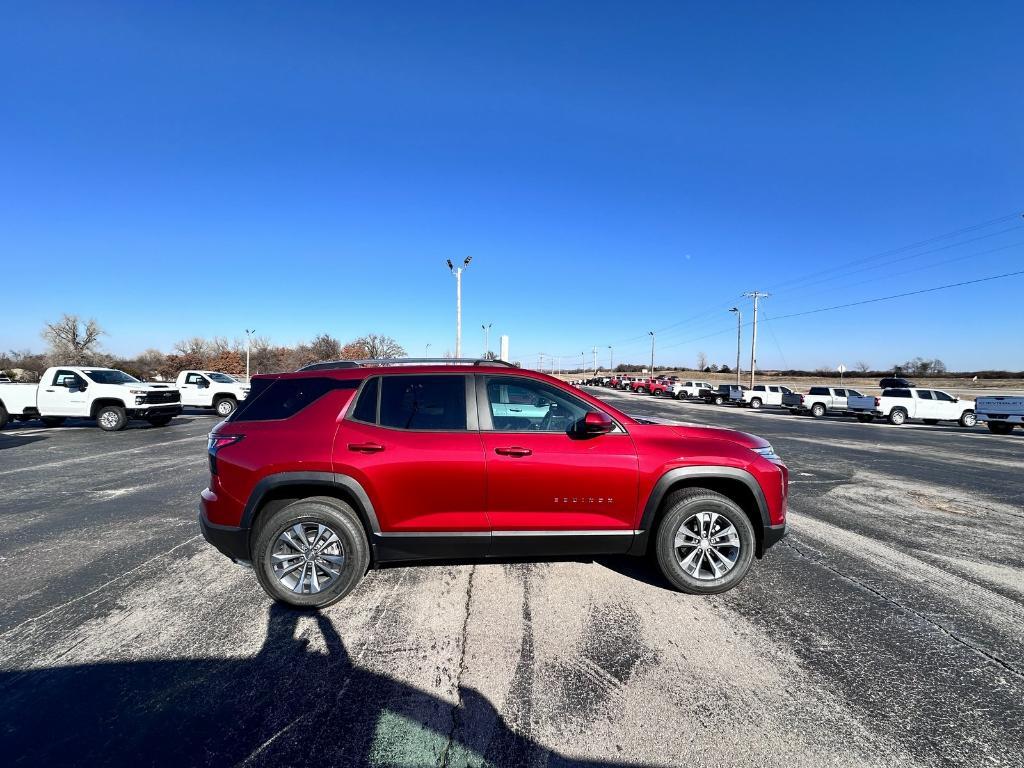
149, 411
229, 540
773, 534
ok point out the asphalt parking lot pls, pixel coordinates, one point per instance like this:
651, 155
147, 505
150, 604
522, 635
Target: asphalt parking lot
886, 629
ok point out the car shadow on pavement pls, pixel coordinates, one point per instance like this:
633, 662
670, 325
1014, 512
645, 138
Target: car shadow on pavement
17, 441
287, 705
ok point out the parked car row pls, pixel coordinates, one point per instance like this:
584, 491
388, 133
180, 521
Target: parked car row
113, 398
899, 402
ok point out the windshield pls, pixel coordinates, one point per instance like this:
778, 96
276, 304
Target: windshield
223, 378
108, 376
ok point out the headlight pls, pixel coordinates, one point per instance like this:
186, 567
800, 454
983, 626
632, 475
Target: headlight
767, 452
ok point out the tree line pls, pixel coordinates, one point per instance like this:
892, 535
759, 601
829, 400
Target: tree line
74, 341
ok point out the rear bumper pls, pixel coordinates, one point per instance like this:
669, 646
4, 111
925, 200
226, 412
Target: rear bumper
230, 541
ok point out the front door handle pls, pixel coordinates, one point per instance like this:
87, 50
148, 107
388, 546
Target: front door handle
513, 451
366, 447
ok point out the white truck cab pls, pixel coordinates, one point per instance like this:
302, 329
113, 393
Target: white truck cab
682, 390
110, 396
211, 389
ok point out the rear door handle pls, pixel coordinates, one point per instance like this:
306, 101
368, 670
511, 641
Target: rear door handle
513, 451
366, 447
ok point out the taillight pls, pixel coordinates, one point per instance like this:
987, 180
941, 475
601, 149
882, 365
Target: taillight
802, 400
878, 401
215, 444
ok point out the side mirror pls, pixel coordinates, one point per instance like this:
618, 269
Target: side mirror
597, 423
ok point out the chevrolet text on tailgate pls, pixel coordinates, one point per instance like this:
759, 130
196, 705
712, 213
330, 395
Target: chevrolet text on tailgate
109, 396
320, 474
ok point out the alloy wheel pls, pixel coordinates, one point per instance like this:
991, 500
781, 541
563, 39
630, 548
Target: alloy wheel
707, 545
307, 558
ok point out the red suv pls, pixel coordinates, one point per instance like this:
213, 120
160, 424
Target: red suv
321, 473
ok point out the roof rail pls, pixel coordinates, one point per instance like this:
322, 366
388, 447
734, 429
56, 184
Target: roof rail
385, 361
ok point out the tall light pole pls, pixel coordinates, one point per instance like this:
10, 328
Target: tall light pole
755, 295
248, 348
426, 350
739, 340
487, 337
652, 353
610, 366
457, 271
595, 361
583, 362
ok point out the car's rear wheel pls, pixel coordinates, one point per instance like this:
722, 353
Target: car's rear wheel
311, 553
897, 417
864, 418
705, 542
656, 393
817, 410
968, 419
111, 418
794, 411
52, 421
999, 428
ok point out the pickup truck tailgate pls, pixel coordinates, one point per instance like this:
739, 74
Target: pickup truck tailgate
862, 403
792, 400
1000, 405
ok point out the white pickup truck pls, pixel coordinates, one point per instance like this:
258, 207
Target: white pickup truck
1000, 413
211, 389
898, 405
819, 400
111, 397
683, 390
760, 394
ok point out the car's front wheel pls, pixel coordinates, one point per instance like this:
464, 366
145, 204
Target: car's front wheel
225, 406
705, 543
719, 400
755, 403
311, 553
968, 419
112, 418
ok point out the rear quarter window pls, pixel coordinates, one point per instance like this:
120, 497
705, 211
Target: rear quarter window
818, 391
275, 399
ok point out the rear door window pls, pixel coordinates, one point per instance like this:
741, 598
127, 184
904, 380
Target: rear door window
819, 391
435, 402
924, 394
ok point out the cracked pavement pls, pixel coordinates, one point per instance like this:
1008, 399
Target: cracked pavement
887, 629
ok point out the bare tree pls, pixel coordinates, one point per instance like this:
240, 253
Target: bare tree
861, 366
72, 341
380, 347
324, 347
702, 361
196, 346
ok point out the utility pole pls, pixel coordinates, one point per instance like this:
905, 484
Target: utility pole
457, 271
540, 361
739, 340
595, 361
652, 353
610, 353
755, 295
248, 348
426, 351
583, 362
487, 338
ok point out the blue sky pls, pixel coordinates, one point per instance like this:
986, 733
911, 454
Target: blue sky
175, 169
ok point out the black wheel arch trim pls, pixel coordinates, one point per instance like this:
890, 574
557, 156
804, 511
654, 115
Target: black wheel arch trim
331, 480
673, 476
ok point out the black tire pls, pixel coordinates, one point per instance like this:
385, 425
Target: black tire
794, 411
995, 427
967, 419
656, 393
4, 417
818, 410
160, 421
755, 403
52, 421
897, 417
324, 510
719, 400
224, 406
681, 507
111, 418
930, 421
865, 418
679, 396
